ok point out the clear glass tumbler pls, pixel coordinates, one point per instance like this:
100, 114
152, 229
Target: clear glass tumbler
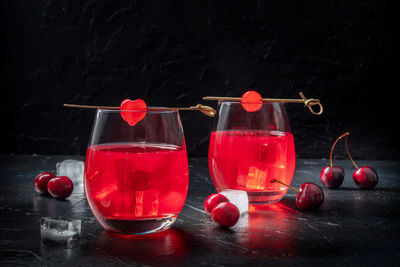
249, 149
136, 177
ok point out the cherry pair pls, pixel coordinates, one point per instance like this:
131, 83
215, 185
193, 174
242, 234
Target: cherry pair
224, 213
332, 176
59, 187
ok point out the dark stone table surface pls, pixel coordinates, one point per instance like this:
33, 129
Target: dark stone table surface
353, 227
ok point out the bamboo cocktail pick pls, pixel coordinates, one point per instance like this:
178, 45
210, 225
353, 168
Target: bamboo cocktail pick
209, 111
307, 102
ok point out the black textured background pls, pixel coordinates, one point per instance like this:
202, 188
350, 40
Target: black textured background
171, 53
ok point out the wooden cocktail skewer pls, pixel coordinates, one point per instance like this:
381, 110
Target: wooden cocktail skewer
209, 111
307, 102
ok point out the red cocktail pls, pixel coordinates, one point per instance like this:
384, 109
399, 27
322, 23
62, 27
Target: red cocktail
137, 186
249, 149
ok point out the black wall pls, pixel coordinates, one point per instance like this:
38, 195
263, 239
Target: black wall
172, 53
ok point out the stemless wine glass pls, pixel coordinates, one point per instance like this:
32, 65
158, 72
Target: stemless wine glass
249, 149
136, 177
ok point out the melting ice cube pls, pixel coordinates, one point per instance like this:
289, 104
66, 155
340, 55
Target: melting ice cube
60, 232
74, 169
237, 197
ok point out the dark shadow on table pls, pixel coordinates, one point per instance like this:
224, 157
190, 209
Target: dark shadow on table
379, 189
48, 206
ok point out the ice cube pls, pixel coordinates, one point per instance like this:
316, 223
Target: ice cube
60, 232
237, 197
74, 169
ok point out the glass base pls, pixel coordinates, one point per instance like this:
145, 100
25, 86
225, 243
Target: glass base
140, 227
265, 197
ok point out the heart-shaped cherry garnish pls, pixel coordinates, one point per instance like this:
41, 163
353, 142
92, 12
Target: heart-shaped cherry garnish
133, 111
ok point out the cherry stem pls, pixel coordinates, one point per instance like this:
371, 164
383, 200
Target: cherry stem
348, 153
334, 144
346, 134
277, 181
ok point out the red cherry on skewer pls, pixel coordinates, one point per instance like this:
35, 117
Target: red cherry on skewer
309, 196
225, 214
212, 200
60, 187
332, 176
133, 111
40, 182
251, 101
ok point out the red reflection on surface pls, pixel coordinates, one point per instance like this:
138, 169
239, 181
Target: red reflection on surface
139, 237
146, 249
269, 229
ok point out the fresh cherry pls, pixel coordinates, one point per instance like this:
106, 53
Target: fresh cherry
332, 176
60, 187
309, 196
40, 182
365, 177
225, 214
213, 200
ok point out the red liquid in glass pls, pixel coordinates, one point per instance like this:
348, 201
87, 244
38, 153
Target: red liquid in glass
249, 159
131, 187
